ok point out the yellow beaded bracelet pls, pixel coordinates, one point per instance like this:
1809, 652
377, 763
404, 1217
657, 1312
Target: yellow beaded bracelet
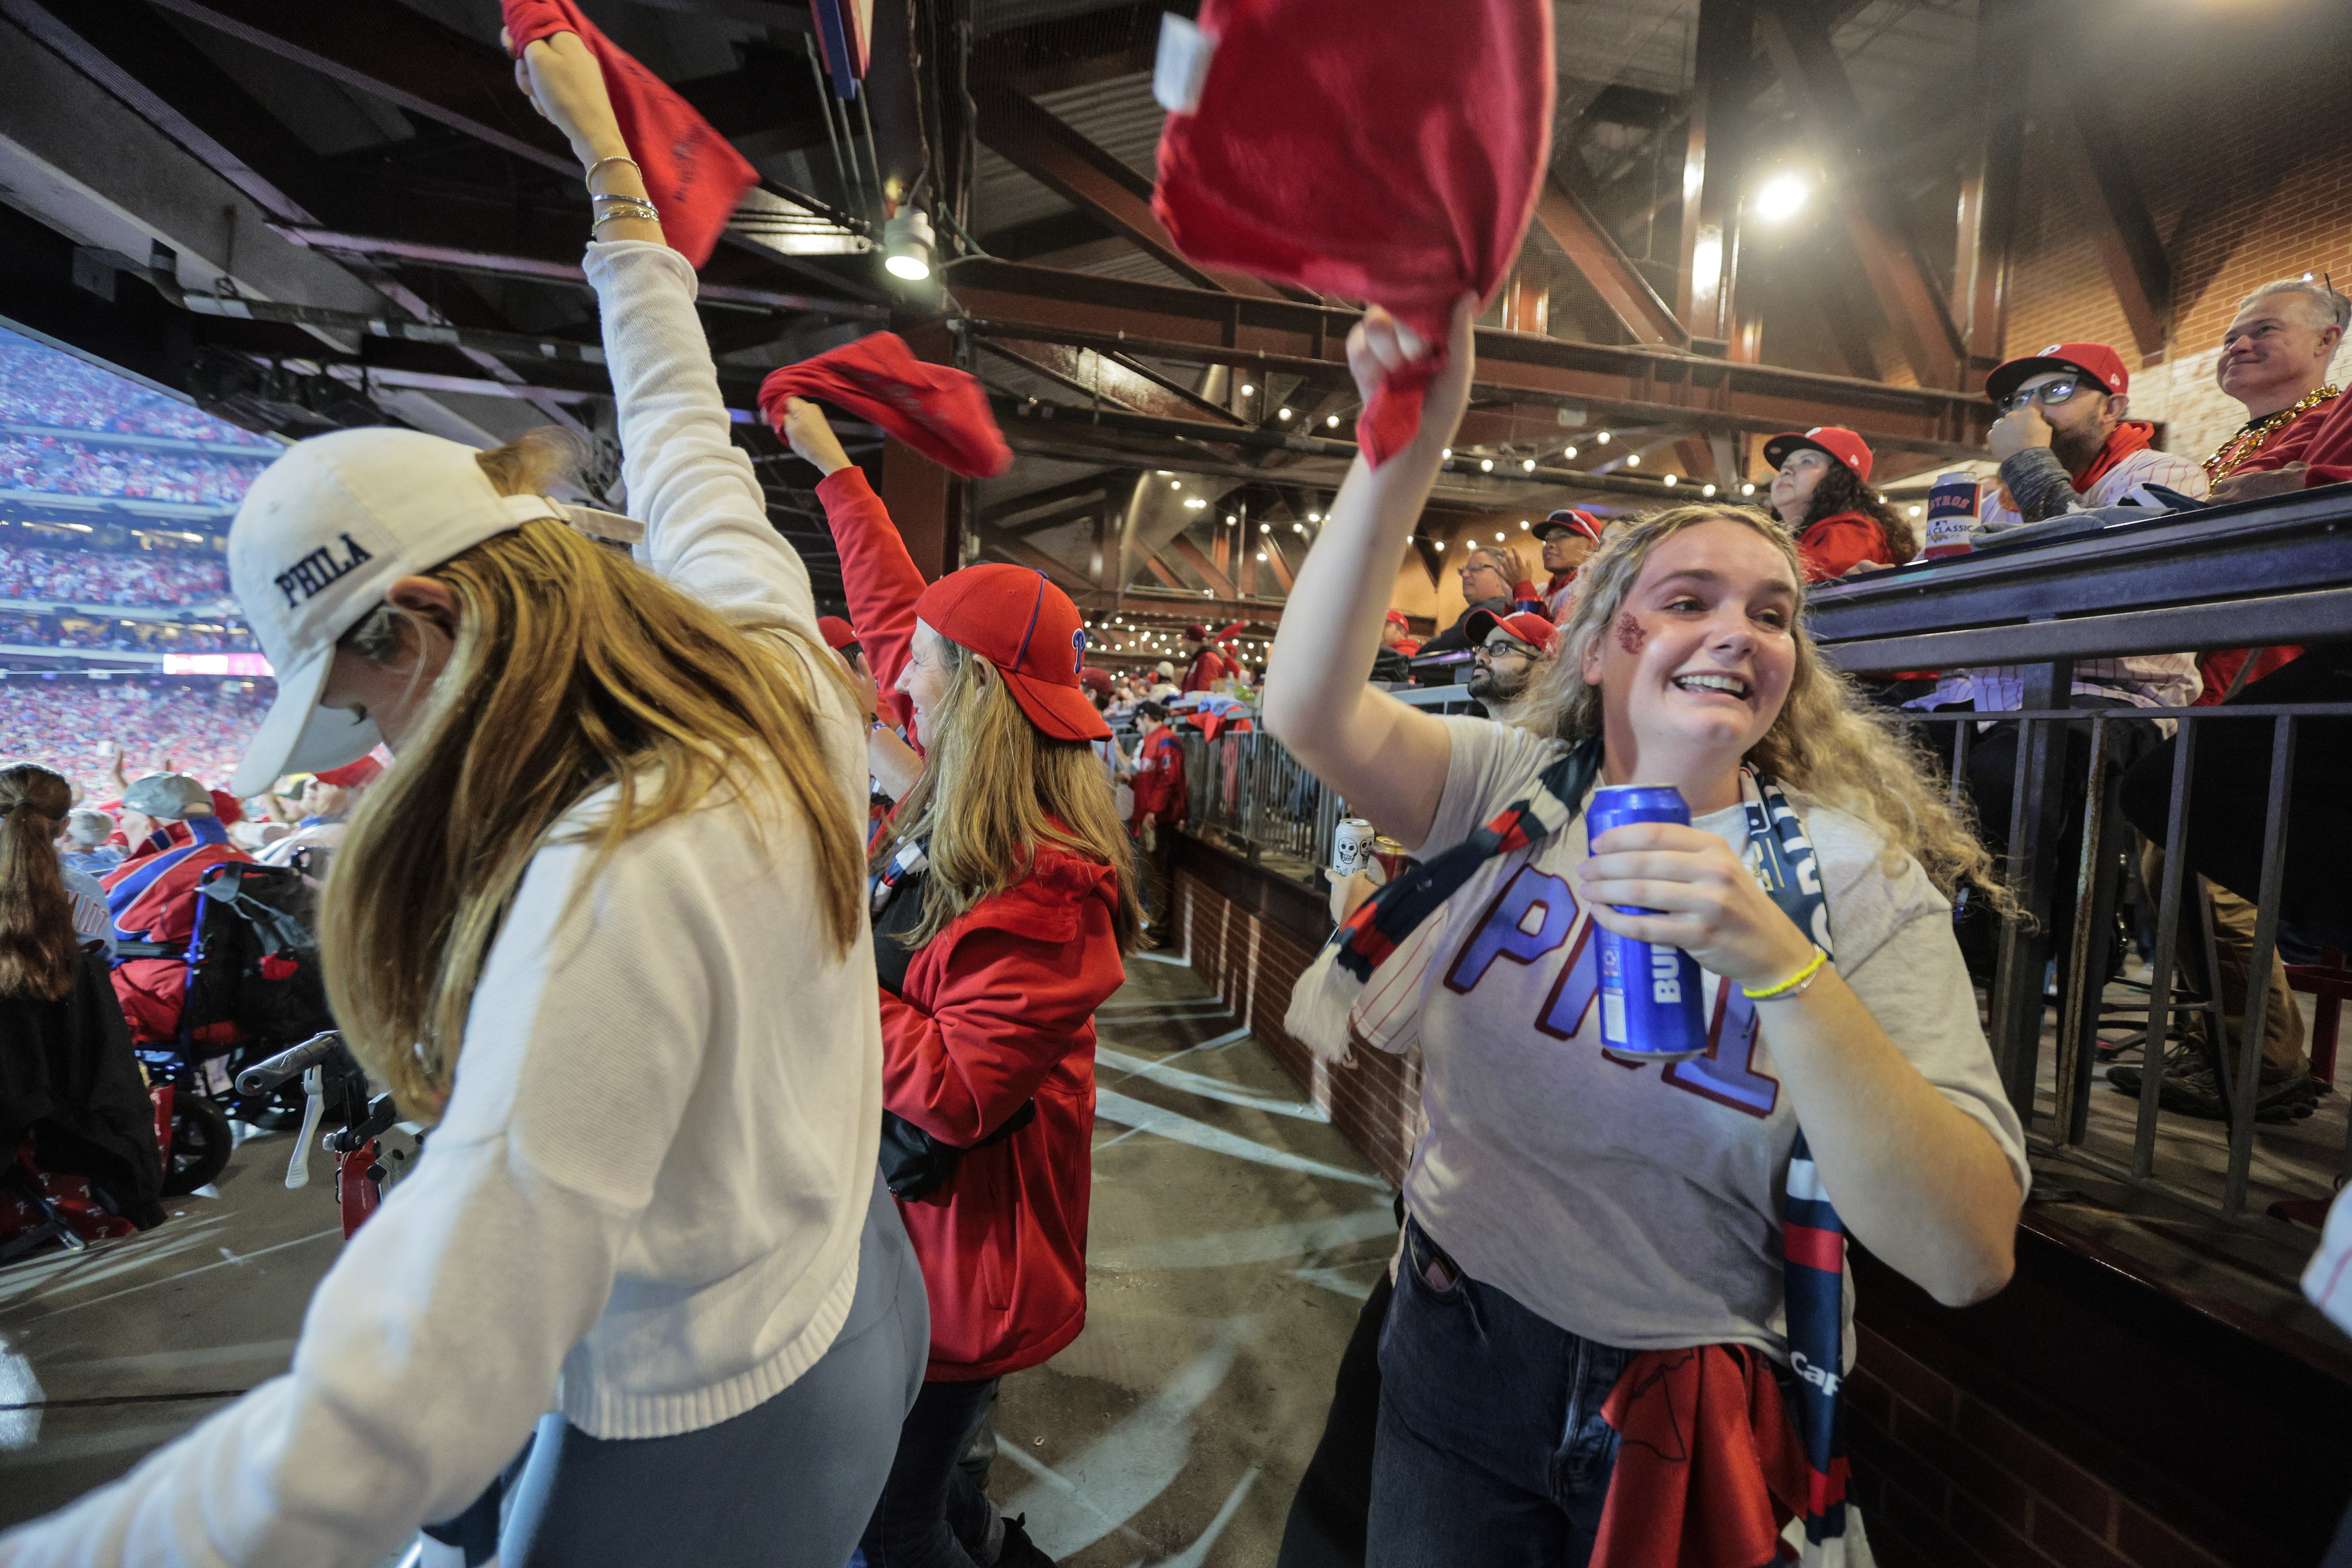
1791, 987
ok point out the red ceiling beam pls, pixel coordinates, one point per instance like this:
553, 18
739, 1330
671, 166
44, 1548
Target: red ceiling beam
1197, 560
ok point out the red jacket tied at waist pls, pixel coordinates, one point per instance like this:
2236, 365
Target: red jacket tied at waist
1376, 150
995, 1010
1708, 1465
692, 175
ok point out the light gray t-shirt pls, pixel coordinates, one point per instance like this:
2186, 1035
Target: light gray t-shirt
1638, 1206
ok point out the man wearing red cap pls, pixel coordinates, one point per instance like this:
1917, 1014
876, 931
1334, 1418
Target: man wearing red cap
1820, 492
1569, 538
1507, 653
1393, 662
1208, 665
1162, 802
2064, 442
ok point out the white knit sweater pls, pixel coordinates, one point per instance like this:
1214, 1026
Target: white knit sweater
643, 1205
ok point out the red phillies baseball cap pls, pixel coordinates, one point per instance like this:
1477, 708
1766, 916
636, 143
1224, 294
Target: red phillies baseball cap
1197, 632
837, 633
1833, 440
1570, 520
354, 776
2097, 361
1030, 631
1530, 628
1396, 618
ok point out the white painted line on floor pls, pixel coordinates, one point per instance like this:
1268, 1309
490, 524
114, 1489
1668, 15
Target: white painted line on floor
1263, 1244
1112, 1106
1208, 1087
1336, 1279
1119, 1474
1197, 1555
335, 1231
1165, 958
18, 1385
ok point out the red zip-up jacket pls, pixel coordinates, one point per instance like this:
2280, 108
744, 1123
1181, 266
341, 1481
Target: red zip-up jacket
1160, 786
997, 1009
1836, 545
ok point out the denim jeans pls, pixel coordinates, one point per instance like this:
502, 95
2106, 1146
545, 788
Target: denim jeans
1491, 1448
933, 1514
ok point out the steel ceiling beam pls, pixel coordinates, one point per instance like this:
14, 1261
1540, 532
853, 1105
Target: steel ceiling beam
1603, 264
1106, 378
1990, 179
2129, 242
1798, 41
1055, 153
1708, 248
1003, 300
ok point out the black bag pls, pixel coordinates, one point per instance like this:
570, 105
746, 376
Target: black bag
915, 1164
255, 959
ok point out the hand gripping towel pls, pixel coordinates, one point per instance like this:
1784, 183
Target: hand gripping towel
1375, 149
693, 175
938, 410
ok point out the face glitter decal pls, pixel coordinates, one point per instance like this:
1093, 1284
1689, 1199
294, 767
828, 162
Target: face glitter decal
1630, 635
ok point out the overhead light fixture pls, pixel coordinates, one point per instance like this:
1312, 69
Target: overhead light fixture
1248, 391
1706, 490
1331, 422
1498, 536
1528, 464
1782, 198
1569, 454
1261, 555
1670, 479
1175, 484
1747, 490
1524, 523
1486, 464
1266, 528
1282, 413
1314, 517
1632, 460
1445, 451
907, 246
1602, 439
1915, 511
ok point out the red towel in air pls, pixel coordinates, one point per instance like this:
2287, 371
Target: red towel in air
693, 174
1378, 150
937, 409
1708, 1466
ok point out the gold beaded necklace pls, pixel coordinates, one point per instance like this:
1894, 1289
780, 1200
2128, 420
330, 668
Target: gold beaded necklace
2242, 445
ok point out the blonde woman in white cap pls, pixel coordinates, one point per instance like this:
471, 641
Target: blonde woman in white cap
601, 923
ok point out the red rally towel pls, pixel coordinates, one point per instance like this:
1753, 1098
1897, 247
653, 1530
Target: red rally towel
938, 410
1708, 1465
693, 174
1375, 149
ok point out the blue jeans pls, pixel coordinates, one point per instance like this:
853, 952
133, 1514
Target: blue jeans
1491, 1448
932, 1514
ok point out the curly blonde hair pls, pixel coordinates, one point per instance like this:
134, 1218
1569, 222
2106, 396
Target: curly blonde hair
1827, 741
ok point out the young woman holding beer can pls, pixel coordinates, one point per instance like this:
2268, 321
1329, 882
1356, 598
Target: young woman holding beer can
1593, 1244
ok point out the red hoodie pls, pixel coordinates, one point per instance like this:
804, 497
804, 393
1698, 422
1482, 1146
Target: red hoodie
997, 1009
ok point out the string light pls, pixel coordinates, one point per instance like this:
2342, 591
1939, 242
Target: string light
1747, 490
1282, 412
1175, 484
1670, 479
1524, 523
1314, 517
1569, 454
1915, 511
1632, 460
1602, 439
1266, 528
1528, 464
1706, 490
1486, 464
1331, 422
1445, 451
1248, 391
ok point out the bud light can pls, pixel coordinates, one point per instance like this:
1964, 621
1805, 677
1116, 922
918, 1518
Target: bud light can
1351, 846
1652, 1009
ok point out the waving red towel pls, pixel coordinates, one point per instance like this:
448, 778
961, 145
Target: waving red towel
1378, 150
693, 174
937, 409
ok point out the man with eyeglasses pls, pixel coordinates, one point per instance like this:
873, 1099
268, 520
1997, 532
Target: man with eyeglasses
1507, 653
2064, 442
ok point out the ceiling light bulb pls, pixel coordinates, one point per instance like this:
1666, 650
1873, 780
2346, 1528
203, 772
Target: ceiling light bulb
1528, 464
1782, 198
1248, 391
907, 246
1331, 421
1486, 464
1175, 484
1633, 459
1314, 517
1670, 479
1445, 451
1261, 555
1441, 547
1524, 523
1282, 412
1498, 536
1266, 528
1915, 511
1747, 490
1706, 490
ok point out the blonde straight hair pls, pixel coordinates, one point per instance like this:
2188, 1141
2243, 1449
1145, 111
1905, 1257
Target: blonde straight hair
1828, 742
38, 948
573, 669
994, 787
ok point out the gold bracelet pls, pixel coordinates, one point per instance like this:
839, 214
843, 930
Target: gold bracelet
610, 158
1792, 986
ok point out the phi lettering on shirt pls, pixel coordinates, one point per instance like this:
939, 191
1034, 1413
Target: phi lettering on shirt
1535, 915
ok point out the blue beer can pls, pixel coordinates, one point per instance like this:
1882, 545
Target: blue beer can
1652, 1008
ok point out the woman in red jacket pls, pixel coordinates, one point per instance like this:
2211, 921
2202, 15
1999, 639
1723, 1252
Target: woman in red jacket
1005, 902
1820, 492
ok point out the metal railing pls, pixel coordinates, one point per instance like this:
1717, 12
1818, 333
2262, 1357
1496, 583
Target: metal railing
2260, 573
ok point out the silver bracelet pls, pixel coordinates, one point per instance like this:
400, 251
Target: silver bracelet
625, 206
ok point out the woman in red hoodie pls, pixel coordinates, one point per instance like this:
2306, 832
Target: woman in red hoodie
1005, 902
1820, 492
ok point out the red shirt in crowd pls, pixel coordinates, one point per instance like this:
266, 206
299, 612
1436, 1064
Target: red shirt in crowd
1208, 668
2290, 443
1160, 788
1837, 544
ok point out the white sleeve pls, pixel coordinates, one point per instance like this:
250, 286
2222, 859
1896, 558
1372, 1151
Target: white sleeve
434, 1342
2154, 467
706, 519
1489, 767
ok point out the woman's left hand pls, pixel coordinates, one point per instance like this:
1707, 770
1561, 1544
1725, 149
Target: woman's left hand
566, 84
1710, 905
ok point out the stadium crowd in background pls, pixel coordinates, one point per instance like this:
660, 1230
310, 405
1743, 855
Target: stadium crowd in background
73, 724
107, 577
59, 465
120, 636
39, 385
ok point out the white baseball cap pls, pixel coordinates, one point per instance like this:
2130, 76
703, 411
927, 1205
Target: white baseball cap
318, 541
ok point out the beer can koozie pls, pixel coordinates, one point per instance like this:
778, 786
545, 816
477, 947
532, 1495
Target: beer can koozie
1351, 846
1651, 1006
1951, 516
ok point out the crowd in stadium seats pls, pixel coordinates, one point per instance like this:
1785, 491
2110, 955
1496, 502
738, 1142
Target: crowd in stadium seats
39, 385
72, 723
102, 577
56, 464
52, 631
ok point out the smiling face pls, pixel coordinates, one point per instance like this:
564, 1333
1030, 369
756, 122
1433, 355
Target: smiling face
928, 674
2275, 352
1793, 486
1693, 669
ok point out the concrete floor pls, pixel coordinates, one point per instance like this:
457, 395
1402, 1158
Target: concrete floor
1234, 1236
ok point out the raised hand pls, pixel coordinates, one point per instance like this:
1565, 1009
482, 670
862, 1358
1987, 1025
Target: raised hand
566, 86
1380, 344
805, 431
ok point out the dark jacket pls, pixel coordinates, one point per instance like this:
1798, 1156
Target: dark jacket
1454, 637
69, 1079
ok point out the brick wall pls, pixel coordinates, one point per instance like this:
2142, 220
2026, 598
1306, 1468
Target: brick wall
2236, 136
1250, 950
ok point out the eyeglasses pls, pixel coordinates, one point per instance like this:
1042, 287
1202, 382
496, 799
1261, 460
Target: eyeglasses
1493, 651
2050, 395
1479, 566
